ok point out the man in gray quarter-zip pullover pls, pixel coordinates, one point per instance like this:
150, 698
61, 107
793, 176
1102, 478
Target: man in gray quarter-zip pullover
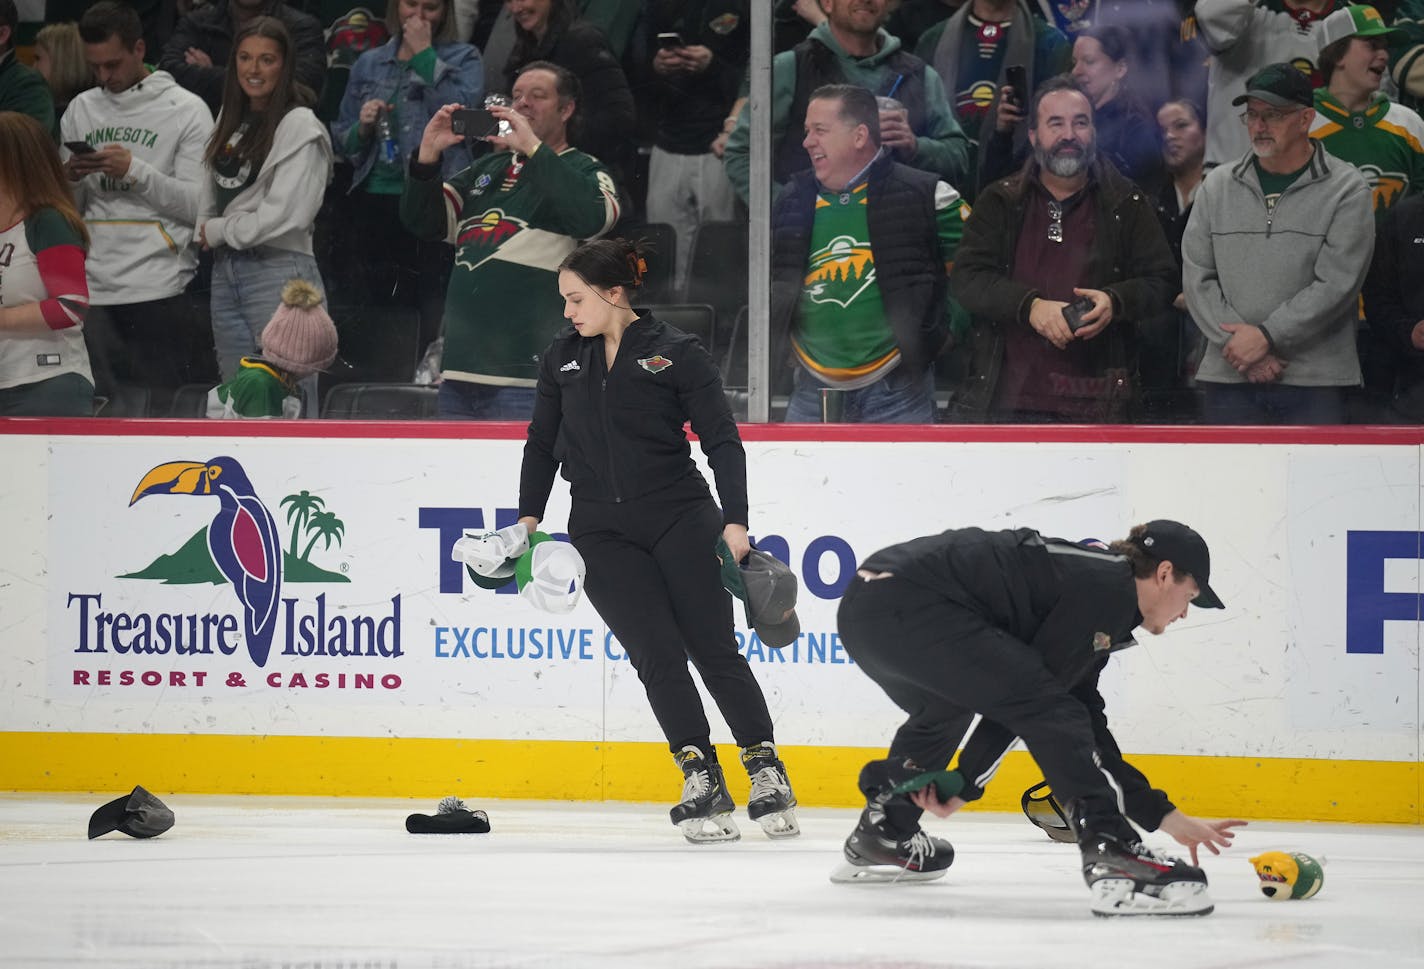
1273, 257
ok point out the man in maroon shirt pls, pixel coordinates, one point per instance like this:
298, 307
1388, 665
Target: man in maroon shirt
1067, 229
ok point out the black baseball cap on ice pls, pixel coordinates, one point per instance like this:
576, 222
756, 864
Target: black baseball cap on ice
137, 814
1169, 541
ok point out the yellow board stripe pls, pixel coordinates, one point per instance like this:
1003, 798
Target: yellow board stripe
1248, 787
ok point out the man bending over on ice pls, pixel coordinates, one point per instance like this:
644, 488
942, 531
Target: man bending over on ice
1017, 627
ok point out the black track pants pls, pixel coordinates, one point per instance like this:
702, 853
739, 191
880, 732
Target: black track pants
941, 663
653, 575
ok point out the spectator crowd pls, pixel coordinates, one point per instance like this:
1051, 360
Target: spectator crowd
1164, 211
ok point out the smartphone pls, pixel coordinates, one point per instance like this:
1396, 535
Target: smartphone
1074, 311
1016, 77
670, 40
80, 147
473, 122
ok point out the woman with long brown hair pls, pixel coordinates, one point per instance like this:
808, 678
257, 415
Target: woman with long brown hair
44, 367
269, 160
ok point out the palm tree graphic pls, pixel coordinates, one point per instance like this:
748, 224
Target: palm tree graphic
302, 507
325, 527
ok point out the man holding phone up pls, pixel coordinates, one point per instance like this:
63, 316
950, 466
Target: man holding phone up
512, 217
697, 65
1062, 258
134, 151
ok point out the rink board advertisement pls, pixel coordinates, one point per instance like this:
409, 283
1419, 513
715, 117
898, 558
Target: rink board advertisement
121, 621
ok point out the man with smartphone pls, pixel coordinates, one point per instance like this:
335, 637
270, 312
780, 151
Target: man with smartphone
512, 217
992, 54
134, 146
701, 52
1061, 260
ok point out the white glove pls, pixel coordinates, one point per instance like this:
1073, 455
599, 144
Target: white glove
493, 554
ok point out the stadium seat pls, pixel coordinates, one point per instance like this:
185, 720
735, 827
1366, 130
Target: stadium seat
735, 379
734, 366
127, 400
718, 271
375, 344
379, 402
661, 240
190, 400
699, 319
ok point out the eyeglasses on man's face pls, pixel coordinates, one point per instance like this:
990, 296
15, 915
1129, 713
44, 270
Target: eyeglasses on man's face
1269, 117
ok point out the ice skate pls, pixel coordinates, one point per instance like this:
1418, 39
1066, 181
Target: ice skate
875, 855
705, 813
772, 804
1127, 878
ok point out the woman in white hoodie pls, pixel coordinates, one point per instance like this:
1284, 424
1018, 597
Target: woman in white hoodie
269, 161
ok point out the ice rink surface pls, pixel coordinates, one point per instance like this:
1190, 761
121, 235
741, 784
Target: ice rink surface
305, 883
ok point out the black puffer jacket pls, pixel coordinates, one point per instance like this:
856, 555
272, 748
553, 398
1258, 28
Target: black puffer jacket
904, 233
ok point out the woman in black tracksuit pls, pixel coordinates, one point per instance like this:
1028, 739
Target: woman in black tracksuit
614, 393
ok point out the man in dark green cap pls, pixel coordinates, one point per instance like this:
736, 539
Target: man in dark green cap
1273, 259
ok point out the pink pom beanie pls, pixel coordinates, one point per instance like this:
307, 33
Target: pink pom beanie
300, 338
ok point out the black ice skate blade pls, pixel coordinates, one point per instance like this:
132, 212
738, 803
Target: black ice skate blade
449, 822
1155, 915
850, 874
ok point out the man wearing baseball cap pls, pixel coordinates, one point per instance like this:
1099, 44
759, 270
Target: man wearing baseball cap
1273, 258
1017, 627
1357, 122
1354, 119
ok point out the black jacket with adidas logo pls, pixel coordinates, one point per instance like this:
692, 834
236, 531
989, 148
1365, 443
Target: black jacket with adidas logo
618, 432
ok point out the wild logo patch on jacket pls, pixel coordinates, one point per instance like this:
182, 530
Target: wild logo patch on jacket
1102, 642
655, 364
725, 24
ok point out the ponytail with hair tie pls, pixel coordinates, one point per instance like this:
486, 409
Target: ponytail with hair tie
637, 267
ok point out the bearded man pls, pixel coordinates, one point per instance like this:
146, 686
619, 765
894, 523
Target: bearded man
1062, 260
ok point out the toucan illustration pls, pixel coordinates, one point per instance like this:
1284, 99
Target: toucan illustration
242, 538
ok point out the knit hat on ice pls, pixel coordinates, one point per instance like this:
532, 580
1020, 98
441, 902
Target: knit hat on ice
300, 338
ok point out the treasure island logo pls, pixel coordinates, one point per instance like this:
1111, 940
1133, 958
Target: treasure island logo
242, 546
